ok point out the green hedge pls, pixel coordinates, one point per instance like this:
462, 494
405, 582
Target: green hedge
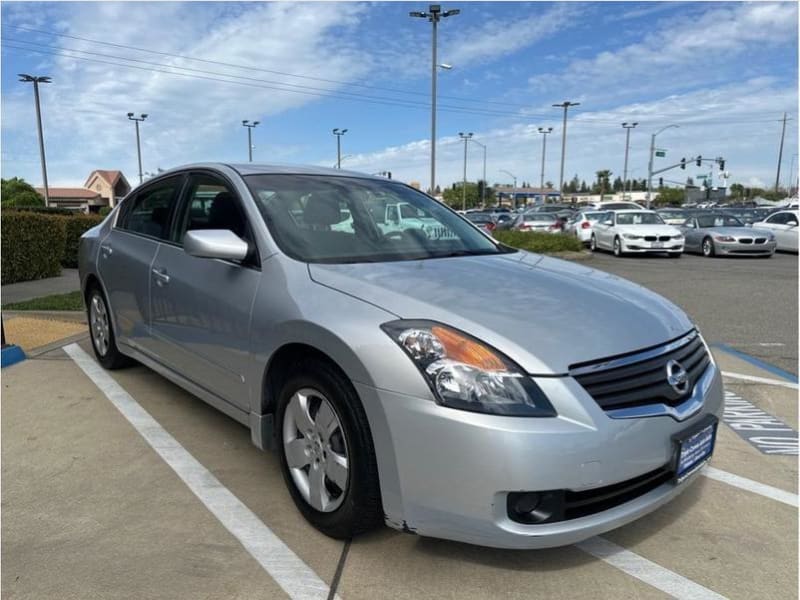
539, 242
75, 226
32, 245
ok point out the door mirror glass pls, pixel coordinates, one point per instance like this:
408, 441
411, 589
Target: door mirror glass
792, 223
608, 222
215, 243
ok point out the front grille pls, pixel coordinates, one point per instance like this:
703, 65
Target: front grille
761, 240
589, 502
649, 238
640, 378
663, 238
745, 240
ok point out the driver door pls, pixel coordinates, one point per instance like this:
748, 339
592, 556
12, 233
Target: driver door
201, 307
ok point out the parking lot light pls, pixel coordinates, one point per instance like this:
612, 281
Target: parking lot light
628, 127
36, 80
339, 133
544, 131
137, 120
466, 137
250, 126
565, 105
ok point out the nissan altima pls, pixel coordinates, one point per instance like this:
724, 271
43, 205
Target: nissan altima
389, 368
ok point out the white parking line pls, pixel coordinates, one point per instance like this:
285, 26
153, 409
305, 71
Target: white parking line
751, 486
754, 379
284, 566
651, 573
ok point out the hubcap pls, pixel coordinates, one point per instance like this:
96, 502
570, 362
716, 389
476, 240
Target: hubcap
706, 247
98, 324
616, 247
316, 450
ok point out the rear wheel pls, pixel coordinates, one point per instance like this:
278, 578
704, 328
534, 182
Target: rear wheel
708, 247
102, 333
326, 451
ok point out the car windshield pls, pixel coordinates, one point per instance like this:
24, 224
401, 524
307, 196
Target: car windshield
639, 218
479, 218
547, 217
593, 216
332, 219
718, 221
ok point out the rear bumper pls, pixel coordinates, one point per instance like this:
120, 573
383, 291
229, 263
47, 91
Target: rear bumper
447, 473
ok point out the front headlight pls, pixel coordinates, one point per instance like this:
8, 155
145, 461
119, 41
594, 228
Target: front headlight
466, 374
677, 237
631, 236
724, 238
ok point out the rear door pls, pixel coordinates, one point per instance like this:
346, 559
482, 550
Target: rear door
201, 308
127, 253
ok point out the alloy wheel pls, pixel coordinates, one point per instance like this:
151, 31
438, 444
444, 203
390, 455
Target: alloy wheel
315, 448
98, 324
708, 248
592, 243
617, 247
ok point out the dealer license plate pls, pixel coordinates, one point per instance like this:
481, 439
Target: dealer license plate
658, 244
694, 448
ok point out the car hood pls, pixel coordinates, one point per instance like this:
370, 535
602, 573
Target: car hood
738, 231
543, 313
648, 229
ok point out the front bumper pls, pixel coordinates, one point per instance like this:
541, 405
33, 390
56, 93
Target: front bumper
644, 247
739, 249
446, 473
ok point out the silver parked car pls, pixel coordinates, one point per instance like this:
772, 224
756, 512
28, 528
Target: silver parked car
720, 234
390, 369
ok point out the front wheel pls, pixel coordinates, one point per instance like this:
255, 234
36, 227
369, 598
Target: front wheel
104, 342
326, 451
708, 248
593, 243
618, 247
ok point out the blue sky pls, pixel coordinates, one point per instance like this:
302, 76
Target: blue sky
724, 71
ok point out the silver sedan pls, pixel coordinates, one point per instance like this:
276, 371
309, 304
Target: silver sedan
719, 234
389, 369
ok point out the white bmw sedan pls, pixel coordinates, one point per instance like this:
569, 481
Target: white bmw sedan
636, 232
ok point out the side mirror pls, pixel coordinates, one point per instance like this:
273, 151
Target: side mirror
215, 243
610, 223
792, 223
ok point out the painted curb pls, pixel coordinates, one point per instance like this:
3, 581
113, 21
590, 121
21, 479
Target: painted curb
11, 355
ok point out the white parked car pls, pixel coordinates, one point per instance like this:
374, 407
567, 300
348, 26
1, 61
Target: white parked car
581, 224
783, 225
615, 205
636, 232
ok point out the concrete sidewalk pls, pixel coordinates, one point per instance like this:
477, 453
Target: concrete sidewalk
68, 281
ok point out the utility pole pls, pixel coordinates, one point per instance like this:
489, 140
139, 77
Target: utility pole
434, 15
483, 187
137, 120
250, 126
780, 154
466, 137
650, 163
36, 80
565, 105
628, 127
544, 133
339, 133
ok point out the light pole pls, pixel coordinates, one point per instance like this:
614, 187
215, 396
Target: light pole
780, 155
565, 105
250, 126
544, 131
339, 133
36, 80
434, 15
514, 193
466, 137
483, 187
136, 120
650, 163
628, 127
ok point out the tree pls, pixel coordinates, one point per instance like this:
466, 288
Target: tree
737, 190
602, 181
438, 190
18, 192
584, 188
689, 182
669, 197
548, 185
617, 185
453, 196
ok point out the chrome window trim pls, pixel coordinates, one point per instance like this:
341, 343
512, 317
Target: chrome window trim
687, 409
635, 358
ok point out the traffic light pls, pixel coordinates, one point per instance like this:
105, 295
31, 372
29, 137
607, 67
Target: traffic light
389, 174
721, 162
699, 161
683, 163
660, 182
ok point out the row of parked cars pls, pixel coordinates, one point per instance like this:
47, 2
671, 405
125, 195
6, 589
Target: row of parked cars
626, 227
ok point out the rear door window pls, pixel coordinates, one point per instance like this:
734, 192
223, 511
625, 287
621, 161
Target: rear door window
150, 210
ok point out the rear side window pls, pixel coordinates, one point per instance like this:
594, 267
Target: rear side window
150, 211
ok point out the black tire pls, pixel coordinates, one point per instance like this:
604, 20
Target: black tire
707, 248
593, 243
361, 509
618, 247
111, 358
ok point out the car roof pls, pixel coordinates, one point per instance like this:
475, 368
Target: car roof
633, 210
245, 169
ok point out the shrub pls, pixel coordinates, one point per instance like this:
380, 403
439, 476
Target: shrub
104, 210
75, 226
48, 210
32, 245
539, 242
18, 192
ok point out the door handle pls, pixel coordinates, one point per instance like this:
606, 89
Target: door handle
106, 250
161, 277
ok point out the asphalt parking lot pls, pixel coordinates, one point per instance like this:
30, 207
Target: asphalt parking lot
97, 503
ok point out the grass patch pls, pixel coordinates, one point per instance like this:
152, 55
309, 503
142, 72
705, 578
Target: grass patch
69, 301
532, 241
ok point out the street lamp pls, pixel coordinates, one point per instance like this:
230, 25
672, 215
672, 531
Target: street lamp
544, 133
650, 163
142, 117
434, 15
628, 127
483, 187
565, 105
344, 158
339, 133
250, 126
36, 80
466, 137
514, 193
